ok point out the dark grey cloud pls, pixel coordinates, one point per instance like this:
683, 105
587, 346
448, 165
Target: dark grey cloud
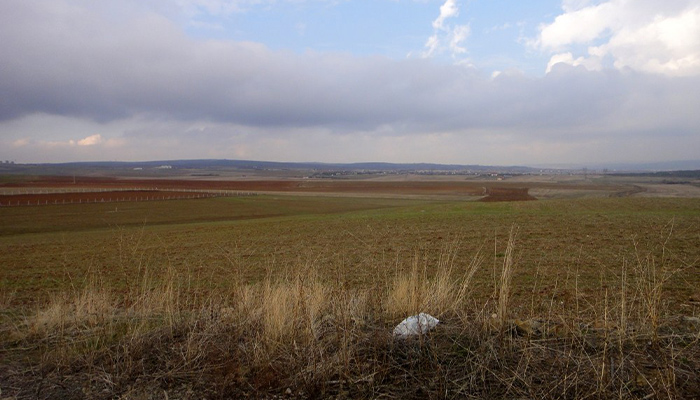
77, 59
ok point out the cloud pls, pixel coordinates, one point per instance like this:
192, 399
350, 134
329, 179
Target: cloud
90, 140
573, 5
459, 35
228, 7
72, 69
21, 142
501, 27
592, 63
448, 10
646, 35
453, 35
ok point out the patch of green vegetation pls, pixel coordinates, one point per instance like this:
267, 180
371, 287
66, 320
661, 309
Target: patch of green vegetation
358, 240
84, 217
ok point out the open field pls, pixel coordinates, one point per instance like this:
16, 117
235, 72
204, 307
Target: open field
457, 187
396, 186
371, 237
600, 288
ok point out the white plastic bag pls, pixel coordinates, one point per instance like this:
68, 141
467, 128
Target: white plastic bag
415, 325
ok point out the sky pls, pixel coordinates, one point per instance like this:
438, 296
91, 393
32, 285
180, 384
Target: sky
491, 82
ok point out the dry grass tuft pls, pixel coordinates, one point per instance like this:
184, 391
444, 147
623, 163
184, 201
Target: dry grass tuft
93, 305
446, 291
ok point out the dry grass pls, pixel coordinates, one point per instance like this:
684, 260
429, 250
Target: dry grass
297, 336
504, 284
444, 291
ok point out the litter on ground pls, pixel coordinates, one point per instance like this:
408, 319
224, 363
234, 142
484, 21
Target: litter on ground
415, 325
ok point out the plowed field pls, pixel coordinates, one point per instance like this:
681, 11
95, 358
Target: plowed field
61, 190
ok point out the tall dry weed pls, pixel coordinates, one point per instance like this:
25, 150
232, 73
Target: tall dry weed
506, 277
650, 275
444, 291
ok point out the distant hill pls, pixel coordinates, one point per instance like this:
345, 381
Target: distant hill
681, 165
209, 165
251, 164
269, 165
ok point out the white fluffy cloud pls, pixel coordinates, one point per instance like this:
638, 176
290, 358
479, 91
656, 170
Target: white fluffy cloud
646, 35
448, 10
591, 63
446, 36
90, 140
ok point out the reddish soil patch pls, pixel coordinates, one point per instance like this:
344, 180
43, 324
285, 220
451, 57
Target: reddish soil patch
507, 194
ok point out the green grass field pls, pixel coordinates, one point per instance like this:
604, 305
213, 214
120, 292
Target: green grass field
355, 240
575, 261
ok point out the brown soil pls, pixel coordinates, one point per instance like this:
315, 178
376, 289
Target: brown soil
142, 189
507, 194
